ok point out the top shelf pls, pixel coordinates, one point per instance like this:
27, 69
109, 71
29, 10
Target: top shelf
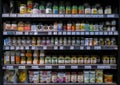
60, 16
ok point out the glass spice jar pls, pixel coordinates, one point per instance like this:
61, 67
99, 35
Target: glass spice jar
42, 8
23, 9
108, 10
74, 9
81, 9
94, 10
7, 25
14, 26
23, 57
12, 57
17, 57
21, 26
68, 8
27, 26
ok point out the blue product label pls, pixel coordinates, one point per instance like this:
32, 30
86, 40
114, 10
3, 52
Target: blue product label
87, 27
59, 28
55, 11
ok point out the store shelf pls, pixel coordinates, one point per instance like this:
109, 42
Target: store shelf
61, 33
58, 66
60, 16
114, 47
60, 84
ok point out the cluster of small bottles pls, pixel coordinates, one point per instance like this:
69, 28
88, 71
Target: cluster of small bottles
63, 8
36, 57
50, 41
60, 26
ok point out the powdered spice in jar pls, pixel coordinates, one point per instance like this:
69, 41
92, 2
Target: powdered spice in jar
17, 58
20, 26
74, 9
14, 26
81, 10
27, 26
23, 58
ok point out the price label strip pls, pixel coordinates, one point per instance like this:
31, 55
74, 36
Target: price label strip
48, 67
74, 67
103, 67
35, 67
21, 67
9, 67
61, 67
87, 67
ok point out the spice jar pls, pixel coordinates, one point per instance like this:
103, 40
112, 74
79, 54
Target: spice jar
112, 59
34, 27
69, 41
74, 9
55, 26
23, 9
7, 57
113, 41
69, 26
38, 41
28, 54
35, 9
45, 27
29, 57
55, 8
61, 8
87, 9
48, 41
7, 25
23, 57
49, 8
19, 41
12, 57
108, 78
29, 6
60, 26
42, 8
100, 10
107, 41
77, 26
28, 41
60, 41
68, 8
27, 26
82, 26
81, 9
20, 26
52, 41
108, 10
94, 10
17, 57
64, 41
23, 41
73, 28
14, 26
33, 41
14, 41
40, 27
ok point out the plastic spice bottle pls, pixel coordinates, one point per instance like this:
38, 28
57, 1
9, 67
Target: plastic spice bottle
42, 8
108, 10
74, 9
68, 8
55, 26
61, 8
23, 9
49, 8
81, 9
27, 26
94, 10
12, 57
77, 26
17, 58
73, 28
20, 26
60, 26
23, 58
14, 26
69, 26
29, 6
7, 57
35, 8
87, 8
55, 8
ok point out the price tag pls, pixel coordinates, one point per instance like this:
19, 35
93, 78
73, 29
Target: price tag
105, 33
9, 67
82, 33
101, 33
4, 33
68, 15
59, 33
81, 47
27, 15
17, 47
96, 33
55, 15
97, 47
22, 47
87, 67
55, 33
61, 67
49, 33
6, 47
55, 47
110, 33
100, 15
111, 16
77, 33
72, 47
68, 33
35, 33
64, 33
49, 15
42, 15
44, 47
26, 33
27, 47
31, 33
5, 15
73, 33
12, 47
86, 33
88, 47
48, 67
75, 15
19, 33
74, 67
91, 33
35, 67
115, 33
12, 15
33, 47
61, 15
21, 67
103, 67
81, 15
61, 47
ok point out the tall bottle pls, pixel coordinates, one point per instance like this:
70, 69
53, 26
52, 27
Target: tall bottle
55, 8
42, 8
61, 8
35, 8
49, 8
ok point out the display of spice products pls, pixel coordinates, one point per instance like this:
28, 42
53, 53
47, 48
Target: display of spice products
60, 26
50, 41
92, 76
36, 57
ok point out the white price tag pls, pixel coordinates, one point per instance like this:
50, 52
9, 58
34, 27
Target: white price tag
6, 47
103, 67
68, 33
72, 47
115, 33
86, 33
88, 47
44, 47
110, 33
22, 47
74, 67
77, 33
35, 33
105, 33
49, 33
19, 33
87, 67
48, 67
27, 47
33, 47
55, 15
97, 47
61, 67
17, 47
64, 33
61, 15
12, 15
111, 16
35, 67
75, 15
55, 47
5, 15
68, 15
42, 15
49, 15
91, 33
26, 33
82, 33
59, 33
101, 33
55, 33
61, 47
100, 15
96, 33
12, 47
21, 67
9, 67
73, 33
27, 15
81, 47
4, 33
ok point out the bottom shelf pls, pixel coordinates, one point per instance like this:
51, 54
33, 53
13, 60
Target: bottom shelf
59, 84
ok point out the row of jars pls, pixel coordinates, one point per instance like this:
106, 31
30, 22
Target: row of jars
59, 41
60, 26
62, 8
36, 57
